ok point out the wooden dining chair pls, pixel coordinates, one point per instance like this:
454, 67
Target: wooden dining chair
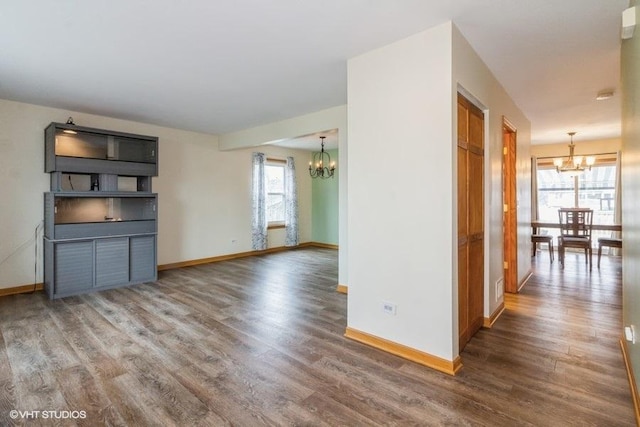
575, 232
607, 242
542, 238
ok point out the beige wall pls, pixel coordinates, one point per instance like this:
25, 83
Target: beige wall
204, 194
631, 189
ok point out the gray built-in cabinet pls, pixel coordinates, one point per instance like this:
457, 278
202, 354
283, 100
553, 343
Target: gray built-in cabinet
100, 217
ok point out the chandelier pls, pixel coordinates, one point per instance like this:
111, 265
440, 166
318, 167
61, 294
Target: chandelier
321, 166
573, 165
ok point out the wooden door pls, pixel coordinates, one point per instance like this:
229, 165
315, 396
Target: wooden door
510, 219
470, 219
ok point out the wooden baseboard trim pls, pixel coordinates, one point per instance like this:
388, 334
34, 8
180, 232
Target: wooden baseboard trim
632, 380
228, 257
24, 289
489, 321
426, 359
320, 245
525, 280
343, 289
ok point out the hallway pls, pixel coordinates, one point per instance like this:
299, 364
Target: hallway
555, 350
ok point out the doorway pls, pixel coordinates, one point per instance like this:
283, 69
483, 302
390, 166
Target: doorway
510, 211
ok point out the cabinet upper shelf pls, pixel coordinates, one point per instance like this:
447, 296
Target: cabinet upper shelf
98, 214
71, 148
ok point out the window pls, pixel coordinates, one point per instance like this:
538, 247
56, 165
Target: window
274, 200
274, 177
593, 189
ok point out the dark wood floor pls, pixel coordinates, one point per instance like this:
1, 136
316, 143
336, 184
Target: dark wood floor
260, 341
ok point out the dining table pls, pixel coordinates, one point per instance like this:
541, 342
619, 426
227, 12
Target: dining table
535, 225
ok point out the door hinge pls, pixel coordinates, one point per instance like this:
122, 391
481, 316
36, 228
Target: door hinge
504, 151
506, 265
505, 207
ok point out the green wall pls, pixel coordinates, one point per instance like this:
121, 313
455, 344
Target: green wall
324, 206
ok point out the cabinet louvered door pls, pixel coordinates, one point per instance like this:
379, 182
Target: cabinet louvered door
143, 259
112, 261
73, 267
470, 173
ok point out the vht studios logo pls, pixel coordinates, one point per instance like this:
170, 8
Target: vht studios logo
55, 415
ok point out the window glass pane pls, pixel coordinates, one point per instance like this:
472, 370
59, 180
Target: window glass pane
555, 190
275, 207
596, 190
275, 178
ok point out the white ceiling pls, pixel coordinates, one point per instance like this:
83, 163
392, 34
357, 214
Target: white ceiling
219, 66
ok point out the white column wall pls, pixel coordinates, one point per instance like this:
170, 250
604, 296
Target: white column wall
402, 237
400, 192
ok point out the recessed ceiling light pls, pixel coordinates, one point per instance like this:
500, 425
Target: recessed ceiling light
604, 94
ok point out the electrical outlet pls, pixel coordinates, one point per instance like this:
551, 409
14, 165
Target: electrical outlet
389, 308
499, 288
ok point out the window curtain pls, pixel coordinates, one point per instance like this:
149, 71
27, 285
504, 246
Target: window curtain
534, 189
290, 204
259, 204
617, 210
